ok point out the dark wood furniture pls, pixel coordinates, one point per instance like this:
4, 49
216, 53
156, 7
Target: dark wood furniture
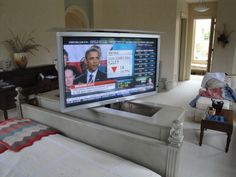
226, 127
31, 82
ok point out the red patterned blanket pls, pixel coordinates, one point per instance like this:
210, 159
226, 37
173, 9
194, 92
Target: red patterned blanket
216, 93
15, 134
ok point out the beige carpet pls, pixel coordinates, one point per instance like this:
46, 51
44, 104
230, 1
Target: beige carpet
209, 160
180, 95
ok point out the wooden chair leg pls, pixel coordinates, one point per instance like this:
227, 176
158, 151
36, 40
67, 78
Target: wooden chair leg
228, 142
201, 135
5, 114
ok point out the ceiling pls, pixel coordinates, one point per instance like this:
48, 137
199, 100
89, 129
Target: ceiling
194, 1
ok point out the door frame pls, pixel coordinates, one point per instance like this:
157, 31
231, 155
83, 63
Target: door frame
211, 44
183, 46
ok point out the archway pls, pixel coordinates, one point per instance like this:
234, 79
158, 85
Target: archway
75, 17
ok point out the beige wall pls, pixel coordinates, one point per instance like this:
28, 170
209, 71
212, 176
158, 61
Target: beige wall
181, 13
234, 62
212, 12
224, 59
27, 15
23, 16
152, 15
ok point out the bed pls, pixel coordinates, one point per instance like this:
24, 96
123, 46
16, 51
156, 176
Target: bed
90, 149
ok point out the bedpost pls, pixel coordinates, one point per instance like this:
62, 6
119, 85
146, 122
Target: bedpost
175, 142
19, 100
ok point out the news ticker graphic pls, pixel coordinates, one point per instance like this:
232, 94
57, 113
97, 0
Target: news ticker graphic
108, 94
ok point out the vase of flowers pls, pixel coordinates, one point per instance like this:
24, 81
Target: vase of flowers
20, 46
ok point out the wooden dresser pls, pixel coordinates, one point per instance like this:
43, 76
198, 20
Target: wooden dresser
35, 79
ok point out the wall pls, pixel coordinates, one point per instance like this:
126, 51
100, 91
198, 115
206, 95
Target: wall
22, 16
224, 59
234, 63
212, 12
148, 15
26, 15
181, 13
86, 5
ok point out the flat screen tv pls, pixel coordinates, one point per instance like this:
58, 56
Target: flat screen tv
98, 68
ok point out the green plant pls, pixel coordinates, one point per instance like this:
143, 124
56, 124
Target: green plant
223, 37
23, 43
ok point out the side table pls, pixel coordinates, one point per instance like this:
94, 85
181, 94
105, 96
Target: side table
226, 126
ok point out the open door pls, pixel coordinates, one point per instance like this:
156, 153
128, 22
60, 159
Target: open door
203, 42
211, 44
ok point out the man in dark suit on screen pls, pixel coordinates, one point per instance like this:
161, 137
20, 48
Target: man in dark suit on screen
92, 74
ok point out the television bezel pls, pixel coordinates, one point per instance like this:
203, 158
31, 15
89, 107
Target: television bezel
60, 63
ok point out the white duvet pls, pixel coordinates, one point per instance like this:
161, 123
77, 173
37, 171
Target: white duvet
58, 156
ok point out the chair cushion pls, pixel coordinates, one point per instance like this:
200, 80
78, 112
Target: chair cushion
204, 102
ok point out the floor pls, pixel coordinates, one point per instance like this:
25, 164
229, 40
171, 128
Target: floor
209, 160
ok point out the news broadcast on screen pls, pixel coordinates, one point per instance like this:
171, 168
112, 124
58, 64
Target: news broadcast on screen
105, 67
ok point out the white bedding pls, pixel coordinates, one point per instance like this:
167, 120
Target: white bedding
58, 156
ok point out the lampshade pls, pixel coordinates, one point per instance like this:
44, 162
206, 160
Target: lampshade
201, 7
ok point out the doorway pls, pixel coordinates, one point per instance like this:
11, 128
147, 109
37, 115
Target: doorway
203, 35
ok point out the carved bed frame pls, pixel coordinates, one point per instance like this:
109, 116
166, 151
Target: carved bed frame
161, 156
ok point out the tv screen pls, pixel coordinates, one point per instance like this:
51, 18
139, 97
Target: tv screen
97, 68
